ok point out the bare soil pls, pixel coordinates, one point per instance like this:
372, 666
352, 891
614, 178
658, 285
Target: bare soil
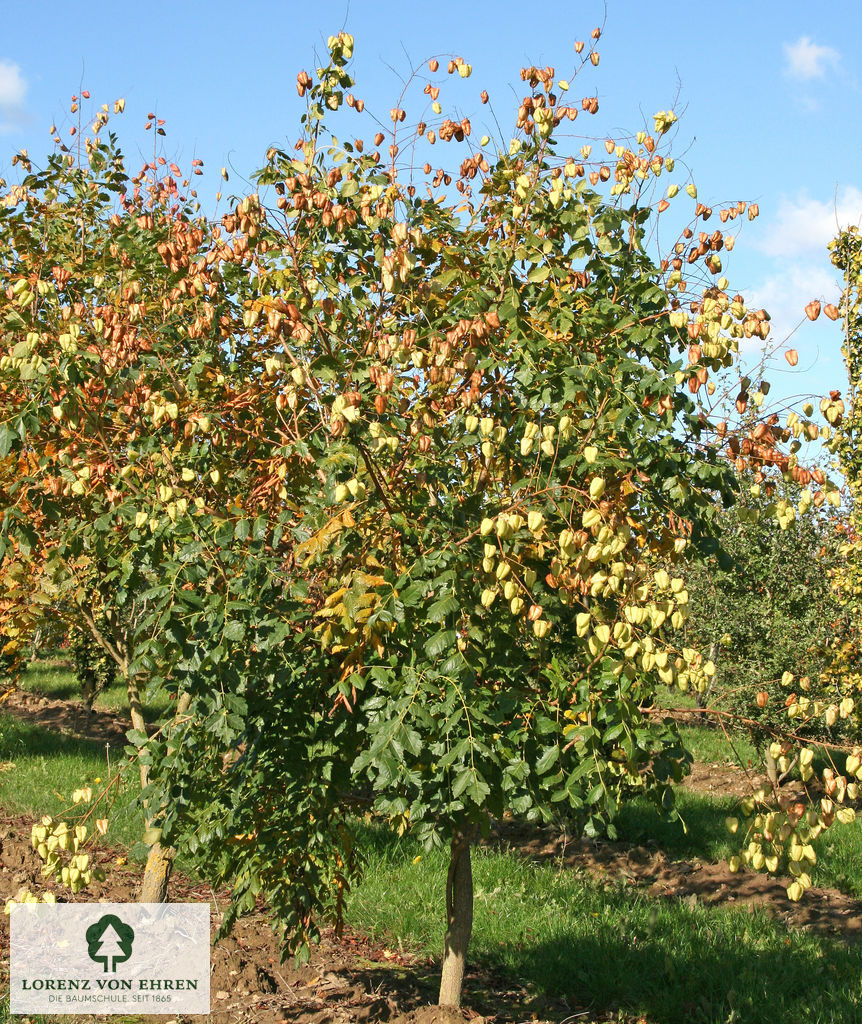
70, 718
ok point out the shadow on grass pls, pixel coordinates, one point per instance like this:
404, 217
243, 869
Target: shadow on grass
56, 690
705, 976
19, 738
699, 832
570, 944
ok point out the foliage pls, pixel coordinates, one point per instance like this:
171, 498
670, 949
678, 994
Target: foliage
389, 480
94, 668
846, 251
766, 607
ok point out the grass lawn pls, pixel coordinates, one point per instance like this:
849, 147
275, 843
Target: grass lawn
608, 945
41, 768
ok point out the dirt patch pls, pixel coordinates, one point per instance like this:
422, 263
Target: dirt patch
70, 718
720, 780
436, 1015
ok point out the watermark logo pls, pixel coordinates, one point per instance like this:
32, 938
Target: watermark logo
109, 941
131, 958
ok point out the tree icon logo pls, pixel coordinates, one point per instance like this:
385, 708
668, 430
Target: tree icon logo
109, 941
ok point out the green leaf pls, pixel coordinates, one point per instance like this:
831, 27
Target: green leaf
234, 630
548, 759
7, 437
440, 643
443, 607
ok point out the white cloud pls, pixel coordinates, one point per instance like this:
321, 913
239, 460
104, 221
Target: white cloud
13, 90
804, 225
785, 294
806, 60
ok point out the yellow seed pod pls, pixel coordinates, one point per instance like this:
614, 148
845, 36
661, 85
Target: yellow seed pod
603, 633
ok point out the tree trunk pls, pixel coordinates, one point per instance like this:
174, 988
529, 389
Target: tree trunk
771, 769
138, 722
160, 860
157, 874
459, 920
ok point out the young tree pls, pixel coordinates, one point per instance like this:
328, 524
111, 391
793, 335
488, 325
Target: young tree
394, 475
767, 606
83, 356
846, 253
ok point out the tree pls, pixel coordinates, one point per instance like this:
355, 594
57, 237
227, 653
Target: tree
65, 419
392, 479
846, 253
767, 606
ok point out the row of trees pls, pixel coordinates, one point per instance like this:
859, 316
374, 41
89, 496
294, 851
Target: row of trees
391, 487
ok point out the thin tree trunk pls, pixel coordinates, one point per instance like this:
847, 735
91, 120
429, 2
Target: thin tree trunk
138, 723
160, 860
459, 920
157, 874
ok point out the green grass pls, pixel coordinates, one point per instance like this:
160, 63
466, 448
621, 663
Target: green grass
840, 854
55, 678
711, 746
609, 947
41, 768
699, 832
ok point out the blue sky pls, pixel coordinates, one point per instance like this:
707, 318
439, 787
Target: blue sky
769, 96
